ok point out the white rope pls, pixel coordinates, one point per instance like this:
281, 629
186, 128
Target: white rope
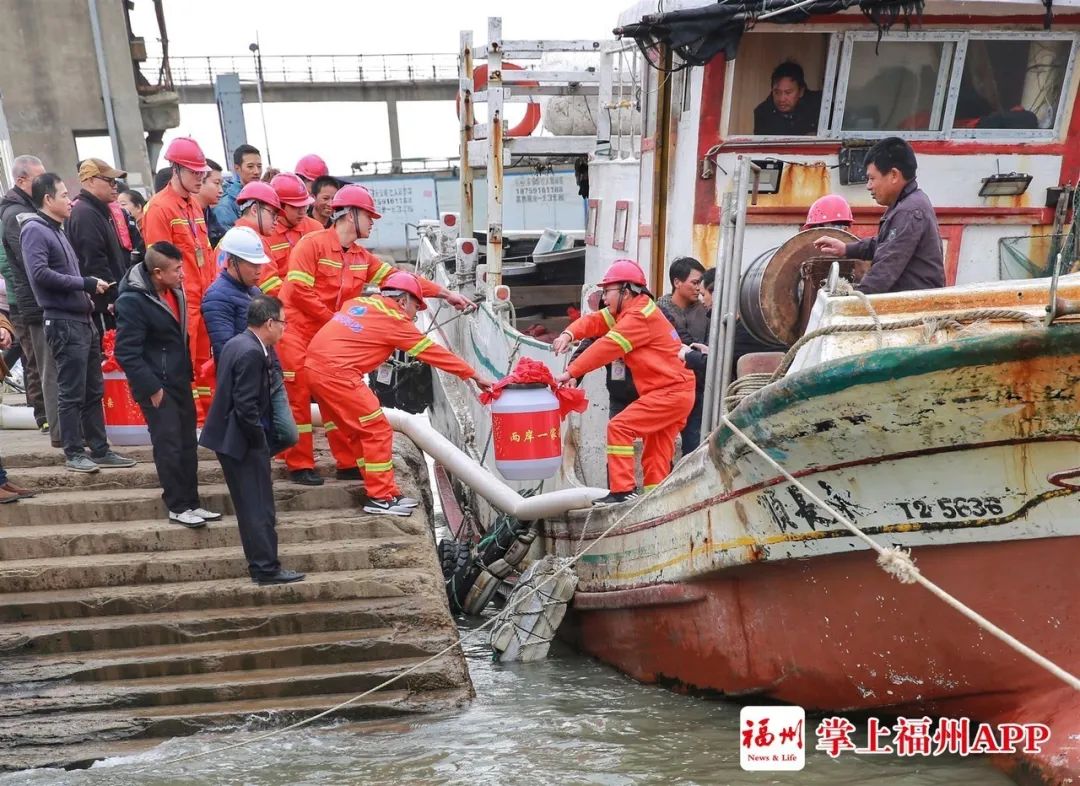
461, 640
897, 563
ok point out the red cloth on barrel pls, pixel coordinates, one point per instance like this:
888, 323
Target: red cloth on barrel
529, 371
108, 350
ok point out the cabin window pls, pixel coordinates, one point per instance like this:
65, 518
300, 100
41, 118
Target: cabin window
896, 86
751, 111
1010, 85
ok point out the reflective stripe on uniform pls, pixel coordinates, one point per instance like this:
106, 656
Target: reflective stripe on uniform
379, 276
329, 425
330, 262
385, 466
301, 277
650, 487
371, 416
271, 283
303, 428
279, 246
620, 450
649, 308
176, 221
360, 463
620, 339
357, 268
419, 346
289, 375
381, 306
610, 320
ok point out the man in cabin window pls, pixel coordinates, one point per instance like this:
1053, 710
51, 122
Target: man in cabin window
790, 109
906, 254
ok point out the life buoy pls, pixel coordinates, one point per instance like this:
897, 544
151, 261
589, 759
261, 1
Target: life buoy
528, 123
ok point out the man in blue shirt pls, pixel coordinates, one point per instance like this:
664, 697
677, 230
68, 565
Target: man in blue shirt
247, 167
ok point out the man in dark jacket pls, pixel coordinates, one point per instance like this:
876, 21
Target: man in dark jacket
93, 234
907, 252
238, 428
152, 349
225, 304
64, 295
25, 312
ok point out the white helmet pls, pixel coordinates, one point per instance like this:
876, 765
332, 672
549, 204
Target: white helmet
244, 242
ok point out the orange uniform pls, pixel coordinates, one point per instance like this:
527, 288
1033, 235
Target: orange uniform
282, 241
321, 277
356, 341
178, 220
665, 386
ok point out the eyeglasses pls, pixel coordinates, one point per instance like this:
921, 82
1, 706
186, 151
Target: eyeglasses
110, 180
282, 322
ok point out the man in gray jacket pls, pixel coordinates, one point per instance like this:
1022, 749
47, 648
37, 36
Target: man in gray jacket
64, 295
907, 252
25, 311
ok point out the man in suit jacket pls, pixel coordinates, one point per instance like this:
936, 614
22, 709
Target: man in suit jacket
238, 429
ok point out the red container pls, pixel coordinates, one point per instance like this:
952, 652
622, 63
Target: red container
124, 422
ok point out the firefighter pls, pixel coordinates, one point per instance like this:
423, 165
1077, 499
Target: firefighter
356, 341
327, 268
310, 168
173, 216
259, 208
293, 222
632, 325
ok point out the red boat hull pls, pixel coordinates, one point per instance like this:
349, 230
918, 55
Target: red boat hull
836, 633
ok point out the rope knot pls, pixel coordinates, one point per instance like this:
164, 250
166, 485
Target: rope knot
897, 563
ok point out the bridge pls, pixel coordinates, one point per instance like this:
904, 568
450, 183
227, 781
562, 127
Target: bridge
312, 78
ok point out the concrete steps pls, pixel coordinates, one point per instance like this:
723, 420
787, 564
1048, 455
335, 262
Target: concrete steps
119, 629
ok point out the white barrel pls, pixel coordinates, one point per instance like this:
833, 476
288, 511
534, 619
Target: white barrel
526, 435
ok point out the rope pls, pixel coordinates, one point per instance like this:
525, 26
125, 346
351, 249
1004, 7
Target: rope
897, 563
845, 287
401, 675
957, 317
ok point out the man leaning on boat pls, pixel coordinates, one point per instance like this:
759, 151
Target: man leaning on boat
906, 254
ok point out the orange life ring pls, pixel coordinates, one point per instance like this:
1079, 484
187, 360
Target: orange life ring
528, 123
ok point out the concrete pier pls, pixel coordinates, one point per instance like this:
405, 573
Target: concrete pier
119, 629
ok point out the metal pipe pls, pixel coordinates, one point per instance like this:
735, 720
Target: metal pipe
709, 408
103, 76
495, 154
746, 166
467, 119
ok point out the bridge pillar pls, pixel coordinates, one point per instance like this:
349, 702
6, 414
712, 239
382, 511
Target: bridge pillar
395, 136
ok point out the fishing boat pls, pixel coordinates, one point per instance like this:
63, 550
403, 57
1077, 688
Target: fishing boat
941, 423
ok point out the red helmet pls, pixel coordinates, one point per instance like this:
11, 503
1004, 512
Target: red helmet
259, 191
357, 196
185, 151
312, 167
291, 190
405, 282
624, 271
829, 209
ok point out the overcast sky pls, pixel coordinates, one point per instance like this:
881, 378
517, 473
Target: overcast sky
343, 133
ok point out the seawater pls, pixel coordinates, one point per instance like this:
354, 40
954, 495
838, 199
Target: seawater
566, 720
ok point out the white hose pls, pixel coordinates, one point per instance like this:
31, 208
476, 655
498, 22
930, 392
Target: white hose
17, 417
476, 477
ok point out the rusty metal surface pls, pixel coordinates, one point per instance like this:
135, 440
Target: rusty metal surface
769, 298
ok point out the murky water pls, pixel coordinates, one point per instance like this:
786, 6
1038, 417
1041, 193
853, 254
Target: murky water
568, 720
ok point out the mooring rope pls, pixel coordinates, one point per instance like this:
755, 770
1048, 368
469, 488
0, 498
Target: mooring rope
897, 563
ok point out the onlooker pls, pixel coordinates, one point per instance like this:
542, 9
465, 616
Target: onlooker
64, 295
225, 304
907, 252
95, 237
310, 168
152, 349
162, 178
323, 189
9, 492
247, 168
685, 311
26, 315
133, 202
238, 428
790, 109
208, 197
127, 227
